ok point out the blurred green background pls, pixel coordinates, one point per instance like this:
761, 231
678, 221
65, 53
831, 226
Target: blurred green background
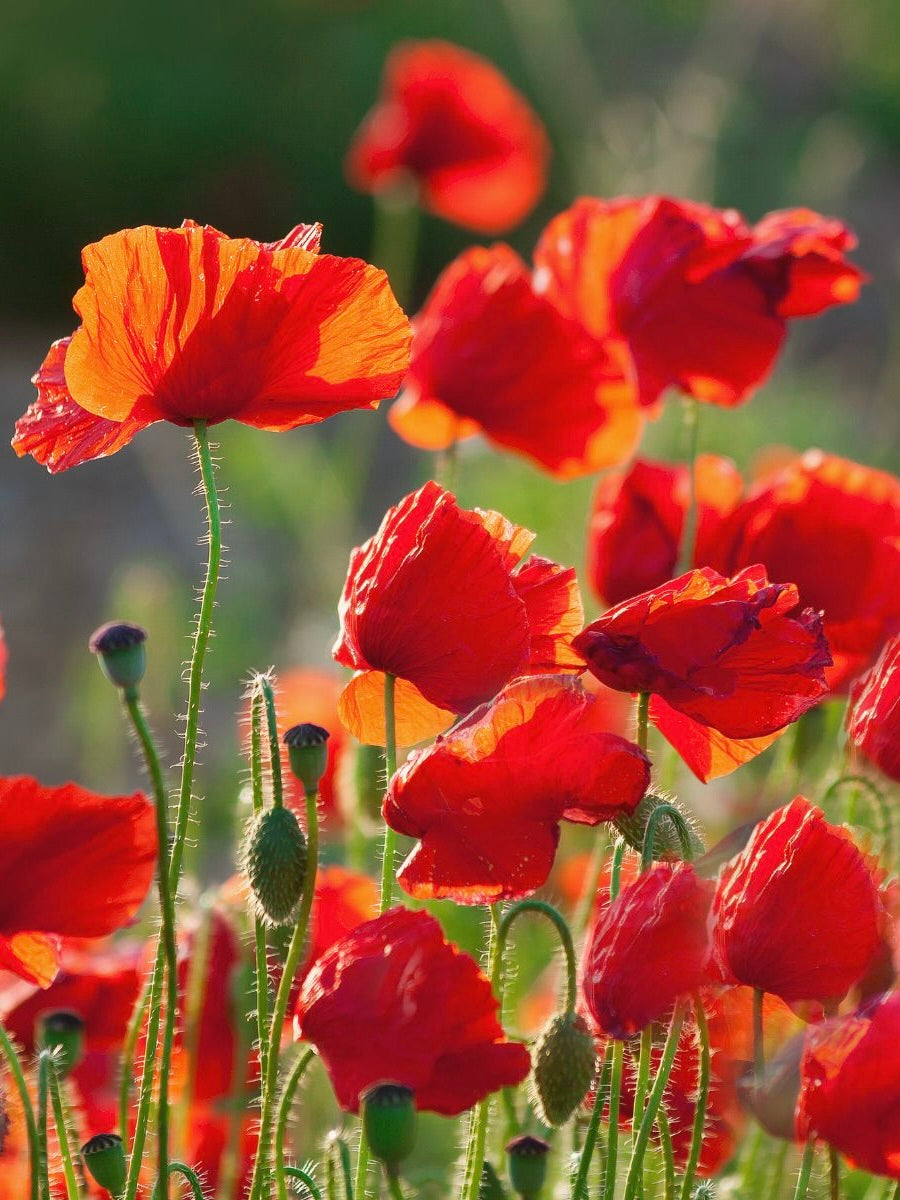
238, 114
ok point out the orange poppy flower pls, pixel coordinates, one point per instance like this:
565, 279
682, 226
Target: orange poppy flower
72, 863
634, 535
700, 298
873, 720
450, 121
490, 355
833, 527
440, 598
486, 800
188, 324
724, 655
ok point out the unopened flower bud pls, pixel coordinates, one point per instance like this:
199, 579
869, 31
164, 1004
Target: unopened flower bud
563, 1060
490, 1187
526, 1158
389, 1120
123, 656
308, 753
274, 857
61, 1032
104, 1159
666, 843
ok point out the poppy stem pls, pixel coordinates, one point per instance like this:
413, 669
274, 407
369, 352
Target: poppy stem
340, 1150
18, 1076
565, 937
395, 238
284, 1112
129, 1052
612, 1141
834, 1174
665, 1141
390, 767
265, 687
642, 1080
648, 1120
62, 1134
681, 828
180, 1168
481, 1114
687, 552
42, 1100
145, 1096
703, 1080
805, 1170
580, 1187
643, 720
615, 871
262, 950
759, 1059
152, 762
306, 1179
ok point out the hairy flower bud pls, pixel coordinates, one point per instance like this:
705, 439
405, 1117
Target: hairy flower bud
563, 1060
274, 859
666, 842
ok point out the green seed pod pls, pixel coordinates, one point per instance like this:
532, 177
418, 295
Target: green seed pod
104, 1159
389, 1120
61, 1032
273, 858
563, 1061
526, 1160
122, 654
308, 753
490, 1187
667, 845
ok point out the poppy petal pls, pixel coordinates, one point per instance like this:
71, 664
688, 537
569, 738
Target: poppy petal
708, 753
361, 711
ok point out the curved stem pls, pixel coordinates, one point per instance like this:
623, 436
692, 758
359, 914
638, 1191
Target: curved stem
180, 1168
805, 1170
703, 1079
565, 937
284, 1111
279, 1009
612, 1145
580, 1187
481, 1114
18, 1076
681, 828
390, 766
858, 781
62, 1134
648, 1120
689, 529
643, 720
152, 761
305, 1178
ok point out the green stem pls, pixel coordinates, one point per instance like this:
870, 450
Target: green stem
580, 1187
198, 655
874, 793
481, 1114
265, 685
642, 1081
42, 1099
565, 937
759, 1059
306, 1179
62, 1134
129, 1051
145, 1096
180, 1168
393, 1180
615, 873
279, 1009
703, 1081
648, 1120
390, 766
643, 720
668, 1153
238, 1103
166, 940
686, 552
340, 1148
670, 812
18, 1076
805, 1170
284, 1112
582, 914
259, 928
395, 238
612, 1144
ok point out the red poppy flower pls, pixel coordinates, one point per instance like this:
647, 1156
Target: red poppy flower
833, 527
849, 1081
647, 950
72, 863
394, 1000
450, 121
797, 913
487, 799
873, 720
699, 297
435, 599
342, 901
491, 355
186, 324
730, 656
634, 535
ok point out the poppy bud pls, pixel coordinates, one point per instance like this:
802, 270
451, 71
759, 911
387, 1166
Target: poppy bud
274, 857
389, 1120
368, 777
563, 1060
490, 1187
104, 1159
61, 1032
526, 1159
666, 842
308, 753
120, 648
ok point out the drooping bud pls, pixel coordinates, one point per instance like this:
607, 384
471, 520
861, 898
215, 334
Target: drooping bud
389, 1120
273, 857
104, 1159
308, 753
667, 844
526, 1158
61, 1032
121, 651
490, 1187
563, 1060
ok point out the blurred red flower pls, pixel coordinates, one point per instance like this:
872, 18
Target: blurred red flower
833, 527
448, 120
490, 355
72, 863
439, 599
797, 912
848, 1094
636, 524
729, 656
873, 719
486, 800
699, 297
394, 1000
648, 949
186, 324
